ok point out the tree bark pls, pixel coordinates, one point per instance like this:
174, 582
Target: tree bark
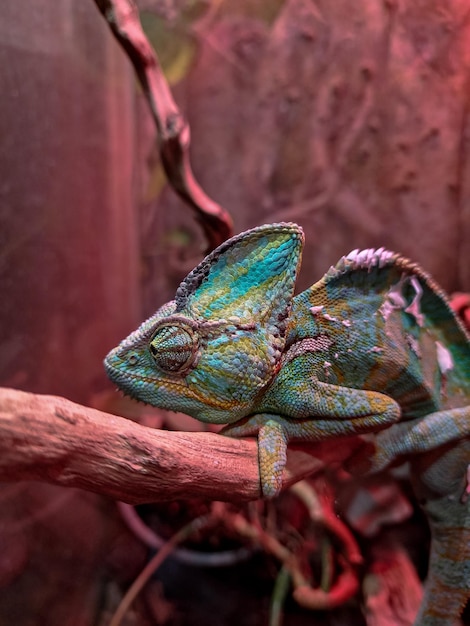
51, 439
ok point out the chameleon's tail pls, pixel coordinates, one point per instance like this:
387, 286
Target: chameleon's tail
448, 585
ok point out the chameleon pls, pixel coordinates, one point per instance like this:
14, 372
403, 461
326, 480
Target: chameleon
371, 349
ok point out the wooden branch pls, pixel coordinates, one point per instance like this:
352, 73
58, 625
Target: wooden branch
51, 439
173, 130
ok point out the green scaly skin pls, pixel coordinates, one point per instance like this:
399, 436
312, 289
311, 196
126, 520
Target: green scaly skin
373, 348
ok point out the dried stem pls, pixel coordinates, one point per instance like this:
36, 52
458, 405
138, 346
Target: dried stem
122, 17
152, 566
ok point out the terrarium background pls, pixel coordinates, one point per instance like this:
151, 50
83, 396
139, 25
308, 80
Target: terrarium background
351, 118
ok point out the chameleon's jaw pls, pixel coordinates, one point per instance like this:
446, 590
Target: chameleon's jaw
134, 373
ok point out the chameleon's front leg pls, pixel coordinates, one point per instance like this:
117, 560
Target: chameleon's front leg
325, 412
272, 448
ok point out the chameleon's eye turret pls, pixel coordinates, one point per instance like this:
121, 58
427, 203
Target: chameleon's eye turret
173, 348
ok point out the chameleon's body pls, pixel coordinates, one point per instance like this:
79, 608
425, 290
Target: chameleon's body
373, 346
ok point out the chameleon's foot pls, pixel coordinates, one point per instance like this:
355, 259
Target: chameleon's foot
272, 448
272, 455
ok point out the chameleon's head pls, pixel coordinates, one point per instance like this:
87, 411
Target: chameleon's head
212, 351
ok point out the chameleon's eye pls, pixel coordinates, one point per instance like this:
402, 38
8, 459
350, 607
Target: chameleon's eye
173, 348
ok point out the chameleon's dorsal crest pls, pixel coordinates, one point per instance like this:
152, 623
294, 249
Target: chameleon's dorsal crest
249, 278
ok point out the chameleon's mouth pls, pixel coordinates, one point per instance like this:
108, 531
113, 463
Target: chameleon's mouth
136, 379
129, 382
